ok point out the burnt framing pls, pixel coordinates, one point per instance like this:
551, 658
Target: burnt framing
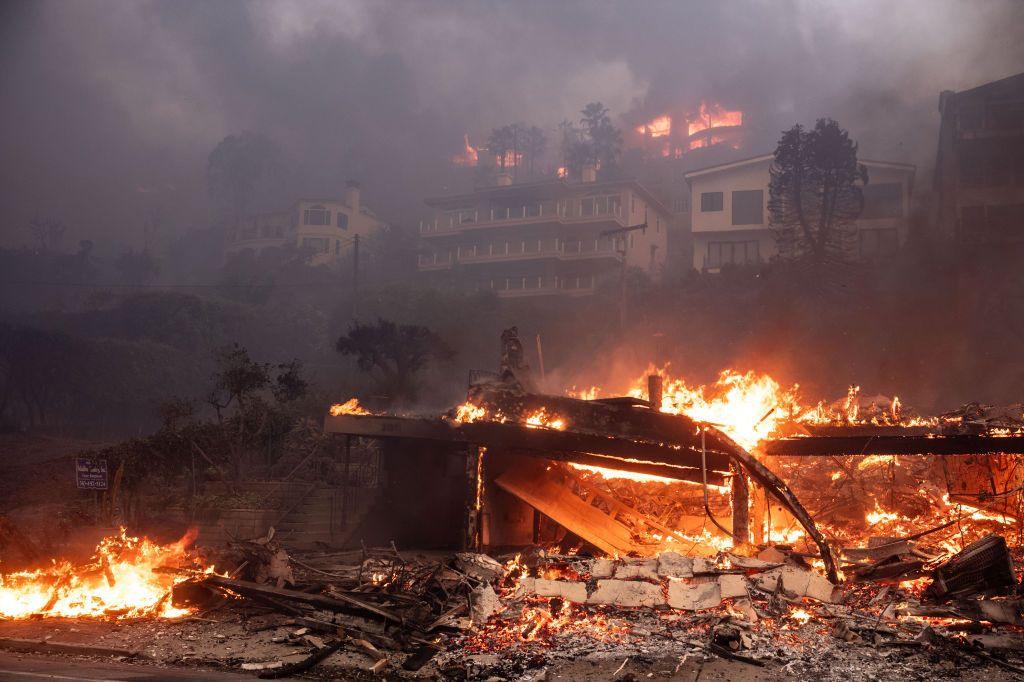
671, 446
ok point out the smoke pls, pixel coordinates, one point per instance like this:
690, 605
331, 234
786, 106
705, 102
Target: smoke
110, 108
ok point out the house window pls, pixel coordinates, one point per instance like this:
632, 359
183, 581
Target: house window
317, 244
711, 201
343, 220
681, 204
748, 207
732, 253
877, 243
316, 215
884, 200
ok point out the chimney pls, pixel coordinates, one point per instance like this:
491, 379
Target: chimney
655, 389
504, 179
589, 173
352, 196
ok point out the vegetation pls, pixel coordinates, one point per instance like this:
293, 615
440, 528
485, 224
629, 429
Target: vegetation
815, 195
595, 142
237, 167
394, 354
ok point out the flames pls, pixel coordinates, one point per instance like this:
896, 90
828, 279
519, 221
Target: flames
511, 159
350, 406
121, 580
469, 156
711, 124
659, 127
541, 418
748, 406
712, 116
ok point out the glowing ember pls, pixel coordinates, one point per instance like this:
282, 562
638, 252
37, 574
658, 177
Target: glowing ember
542, 419
879, 515
118, 582
799, 615
350, 406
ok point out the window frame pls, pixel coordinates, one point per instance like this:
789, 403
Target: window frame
707, 205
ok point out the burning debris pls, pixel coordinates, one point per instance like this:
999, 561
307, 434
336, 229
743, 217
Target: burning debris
123, 579
658, 522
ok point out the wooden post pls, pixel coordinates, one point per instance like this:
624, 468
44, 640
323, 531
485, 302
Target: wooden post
740, 507
345, 482
474, 498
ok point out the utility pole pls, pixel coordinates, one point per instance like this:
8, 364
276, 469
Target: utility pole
355, 278
620, 233
622, 283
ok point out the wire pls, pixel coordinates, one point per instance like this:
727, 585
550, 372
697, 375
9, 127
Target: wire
704, 477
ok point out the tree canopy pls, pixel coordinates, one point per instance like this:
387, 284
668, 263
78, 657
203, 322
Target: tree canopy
815, 195
394, 354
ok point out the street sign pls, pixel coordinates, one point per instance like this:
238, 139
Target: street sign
91, 474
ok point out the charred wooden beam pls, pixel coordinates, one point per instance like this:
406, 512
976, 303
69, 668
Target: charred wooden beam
678, 473
538, 442
812, 446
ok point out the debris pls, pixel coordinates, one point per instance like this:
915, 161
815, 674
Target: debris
485, 604
626, 593
982, 566
303, 665
569, 591
683, 594
674, 565
796, 582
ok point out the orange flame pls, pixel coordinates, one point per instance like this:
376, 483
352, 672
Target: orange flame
712, 116
118, 582
659, 127
469, 156
350, 406
748, 407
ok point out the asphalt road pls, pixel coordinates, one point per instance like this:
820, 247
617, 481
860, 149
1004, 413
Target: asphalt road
30, 667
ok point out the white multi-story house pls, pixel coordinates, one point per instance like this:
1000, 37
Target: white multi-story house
544, 238
324, 228
729, 205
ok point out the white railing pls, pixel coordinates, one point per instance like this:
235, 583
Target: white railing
528, 212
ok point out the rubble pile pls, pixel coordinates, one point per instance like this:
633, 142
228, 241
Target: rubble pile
470, 616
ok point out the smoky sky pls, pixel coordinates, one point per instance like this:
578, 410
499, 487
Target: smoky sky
111, 108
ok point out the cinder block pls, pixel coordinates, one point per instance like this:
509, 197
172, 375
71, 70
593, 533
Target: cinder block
627, 593
694, 596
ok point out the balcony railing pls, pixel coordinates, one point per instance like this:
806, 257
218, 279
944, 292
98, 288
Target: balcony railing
528, 213
564, 251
